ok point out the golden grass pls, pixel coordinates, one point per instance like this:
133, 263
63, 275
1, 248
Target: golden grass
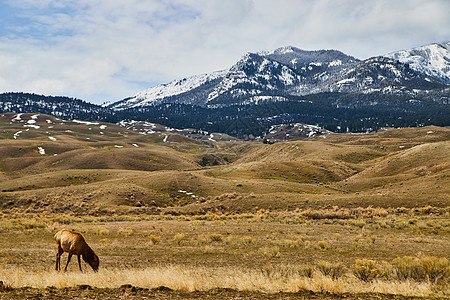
206, 278
358, 209
333, 250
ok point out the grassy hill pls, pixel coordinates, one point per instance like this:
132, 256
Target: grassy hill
53, 165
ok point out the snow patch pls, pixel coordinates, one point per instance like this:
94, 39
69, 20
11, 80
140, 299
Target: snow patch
16, 135
187, 193
18, 117
285, 50
41, 150
335, 63
346, 81
85, 122
32, 126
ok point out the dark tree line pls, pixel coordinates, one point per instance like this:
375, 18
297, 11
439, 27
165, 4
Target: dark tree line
61, 107
337, 112
332, 111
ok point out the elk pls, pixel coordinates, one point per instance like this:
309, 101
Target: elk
73, 243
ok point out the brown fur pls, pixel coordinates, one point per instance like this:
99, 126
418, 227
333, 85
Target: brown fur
73, 243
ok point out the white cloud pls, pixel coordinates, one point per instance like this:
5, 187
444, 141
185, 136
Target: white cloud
110, 49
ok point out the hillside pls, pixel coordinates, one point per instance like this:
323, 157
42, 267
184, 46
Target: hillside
58, 106
53, 165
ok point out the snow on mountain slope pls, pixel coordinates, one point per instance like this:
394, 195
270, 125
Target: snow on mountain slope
433, 59
152, 95
379, 74
304, 60
292, 72
286, 70
251, 76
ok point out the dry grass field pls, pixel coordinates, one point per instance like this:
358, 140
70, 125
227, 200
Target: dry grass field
357, 216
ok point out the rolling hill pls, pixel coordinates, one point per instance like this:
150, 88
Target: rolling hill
50, 165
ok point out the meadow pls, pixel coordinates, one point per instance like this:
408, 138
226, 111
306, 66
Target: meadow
356, 216
374, 250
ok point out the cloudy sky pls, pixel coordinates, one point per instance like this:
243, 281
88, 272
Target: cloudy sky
106, 50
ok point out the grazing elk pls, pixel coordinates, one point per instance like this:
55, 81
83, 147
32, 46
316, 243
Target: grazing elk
74, 243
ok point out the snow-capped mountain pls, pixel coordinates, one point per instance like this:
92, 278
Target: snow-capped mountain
286, 86
291, 72
255, 77
433, 60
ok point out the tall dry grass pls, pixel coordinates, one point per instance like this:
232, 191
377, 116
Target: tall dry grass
285, 279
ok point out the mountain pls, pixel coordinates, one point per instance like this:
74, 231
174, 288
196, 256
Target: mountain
433, 60
290, 85
254, 78
289, 71
325, 88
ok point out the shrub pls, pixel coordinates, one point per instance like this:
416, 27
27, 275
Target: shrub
101, 230
155, 239
421, 268
307, 271
286, 243
216, 237
125, 231
367, 269
208, 249
179, 237
247, 240
5, 287
435, 268
270, 251
53, 228
307, 244
412, 221
334, 270
407, 267
370, 240
322, 244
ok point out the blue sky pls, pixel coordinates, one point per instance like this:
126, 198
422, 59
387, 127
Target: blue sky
106, 50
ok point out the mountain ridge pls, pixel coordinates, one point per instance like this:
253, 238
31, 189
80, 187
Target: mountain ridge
292, 71
435, 57
325, 88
